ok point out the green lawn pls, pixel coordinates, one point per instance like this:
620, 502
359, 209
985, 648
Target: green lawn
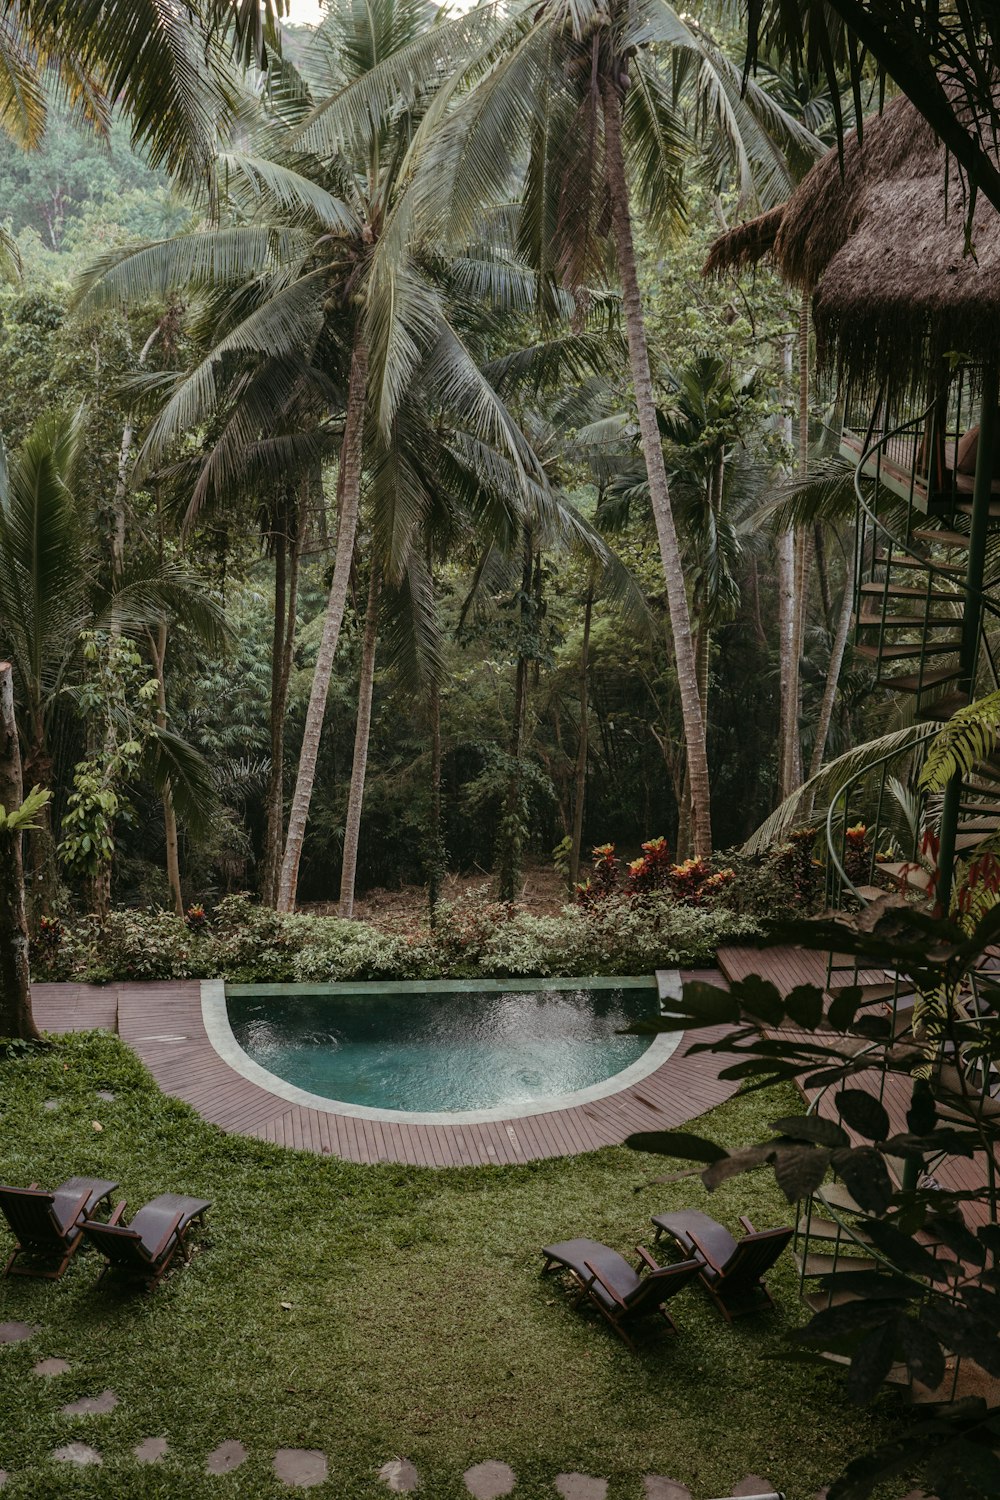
417, 1324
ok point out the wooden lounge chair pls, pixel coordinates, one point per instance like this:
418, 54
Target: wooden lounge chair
48, 1226
731, 1270
145, 1248
619, 1293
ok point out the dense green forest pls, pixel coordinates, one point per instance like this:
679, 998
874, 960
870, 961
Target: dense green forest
518, 664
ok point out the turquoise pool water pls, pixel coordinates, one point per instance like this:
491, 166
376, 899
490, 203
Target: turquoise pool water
459, 1050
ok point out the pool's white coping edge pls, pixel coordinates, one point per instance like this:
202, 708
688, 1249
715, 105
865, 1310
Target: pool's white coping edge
215, 1015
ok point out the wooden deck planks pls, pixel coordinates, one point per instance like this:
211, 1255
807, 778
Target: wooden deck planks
162, 1022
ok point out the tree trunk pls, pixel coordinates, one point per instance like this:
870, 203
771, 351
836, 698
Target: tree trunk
436, 840
122, 483
355, 801
804, 537
833, 673
288, 550
158, 650
788, 661
348, 502
510, 836
15, 980
659, 490
580, 785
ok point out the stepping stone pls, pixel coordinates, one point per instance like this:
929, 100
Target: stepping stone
658, 1487
753, 1485
51, 1104
107, 1095
50, 1367
150, 1450
77, 1453
303, 1467
581, 1487
400, 1475
3, 1478
490, 1480
226, 1457
16, 1333
92, 1406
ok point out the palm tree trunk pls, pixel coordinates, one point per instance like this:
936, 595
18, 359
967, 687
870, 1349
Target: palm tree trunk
788, 616
348, 502
833, 673
659, 490
580, 786
158, 649
510, 835
804, 540
355, 801
122, 483
436, 853
16, 1019
288, 550
436, 841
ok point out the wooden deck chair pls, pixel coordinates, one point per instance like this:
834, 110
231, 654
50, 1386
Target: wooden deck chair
144, 1249
48, 1226
730, 1270
621, 1294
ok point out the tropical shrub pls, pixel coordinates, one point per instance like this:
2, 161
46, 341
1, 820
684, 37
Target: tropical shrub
474, 937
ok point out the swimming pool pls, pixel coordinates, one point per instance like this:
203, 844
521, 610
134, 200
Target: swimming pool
441, 1051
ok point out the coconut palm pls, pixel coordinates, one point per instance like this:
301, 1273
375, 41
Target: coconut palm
167, 66
308, 313
600, 122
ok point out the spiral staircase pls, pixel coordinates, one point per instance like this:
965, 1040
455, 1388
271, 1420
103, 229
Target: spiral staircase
925, 611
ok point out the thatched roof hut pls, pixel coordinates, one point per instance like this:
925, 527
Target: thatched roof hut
881, 246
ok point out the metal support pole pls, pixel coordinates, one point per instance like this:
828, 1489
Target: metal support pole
972, 613
971, 621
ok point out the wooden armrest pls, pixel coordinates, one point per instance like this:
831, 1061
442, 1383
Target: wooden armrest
595, 1275
706, 1256
117, 1211
645, 1259
747, 1225
165, 1238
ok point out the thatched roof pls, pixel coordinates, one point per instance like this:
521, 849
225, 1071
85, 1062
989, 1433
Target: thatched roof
882, 248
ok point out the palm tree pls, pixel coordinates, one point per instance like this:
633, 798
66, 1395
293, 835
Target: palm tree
304, 303
601, 126
16, 1019
169, 68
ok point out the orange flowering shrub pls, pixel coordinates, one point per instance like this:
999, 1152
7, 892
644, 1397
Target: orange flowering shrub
690, 882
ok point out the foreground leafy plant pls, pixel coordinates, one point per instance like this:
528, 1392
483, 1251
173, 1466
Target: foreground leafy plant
936, 1292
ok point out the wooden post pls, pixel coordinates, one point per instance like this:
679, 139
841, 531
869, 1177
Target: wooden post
15, 984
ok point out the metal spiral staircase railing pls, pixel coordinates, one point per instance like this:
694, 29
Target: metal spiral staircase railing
921, 618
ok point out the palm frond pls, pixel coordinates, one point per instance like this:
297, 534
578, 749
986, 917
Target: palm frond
820, 790
169, 761
215, 257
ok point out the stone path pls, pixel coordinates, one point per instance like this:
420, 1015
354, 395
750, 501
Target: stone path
225, 1458
16, 1333
150, 1450
306, 1468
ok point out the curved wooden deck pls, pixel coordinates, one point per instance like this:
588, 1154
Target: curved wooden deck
162, 1022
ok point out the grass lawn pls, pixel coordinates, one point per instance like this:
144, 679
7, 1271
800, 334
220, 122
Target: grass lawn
384, 1311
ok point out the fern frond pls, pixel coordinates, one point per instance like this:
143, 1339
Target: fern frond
969, 737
